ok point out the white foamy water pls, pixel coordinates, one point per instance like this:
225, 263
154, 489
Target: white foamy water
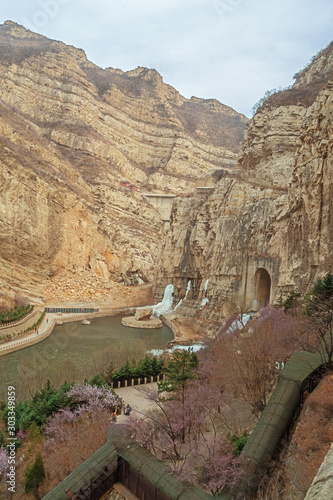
166, 305
238, 325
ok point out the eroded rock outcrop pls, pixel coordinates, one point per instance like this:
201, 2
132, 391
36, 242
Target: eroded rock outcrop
322, 485
267, 227
79, 147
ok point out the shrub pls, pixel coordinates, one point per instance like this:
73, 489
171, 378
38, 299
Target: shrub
147, 367
34, 474
238, 442
318, 304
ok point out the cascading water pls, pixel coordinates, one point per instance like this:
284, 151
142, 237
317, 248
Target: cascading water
204, 302
179, 304
206, 285
166, 305
238, 324
205, 299
188, 288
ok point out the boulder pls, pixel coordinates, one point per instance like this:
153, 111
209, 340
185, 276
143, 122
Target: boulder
143, 313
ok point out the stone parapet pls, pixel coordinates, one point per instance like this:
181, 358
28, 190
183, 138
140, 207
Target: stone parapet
22, 324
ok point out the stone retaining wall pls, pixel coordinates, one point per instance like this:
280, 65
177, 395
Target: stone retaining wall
57, 320
16, 345
21, 324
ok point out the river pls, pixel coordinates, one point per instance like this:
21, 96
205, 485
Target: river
74, 352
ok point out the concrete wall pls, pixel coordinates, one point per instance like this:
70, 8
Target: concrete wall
246, 289
162, 203
22, 324
296, 378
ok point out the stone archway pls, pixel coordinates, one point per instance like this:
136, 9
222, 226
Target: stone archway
263, 282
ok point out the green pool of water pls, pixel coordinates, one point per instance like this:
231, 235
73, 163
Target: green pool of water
74, 352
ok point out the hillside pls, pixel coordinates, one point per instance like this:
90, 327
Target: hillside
79, 146
266, 228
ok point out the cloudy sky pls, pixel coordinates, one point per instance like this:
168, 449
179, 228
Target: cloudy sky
232, 50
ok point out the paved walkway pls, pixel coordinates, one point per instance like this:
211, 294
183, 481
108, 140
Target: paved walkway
136, 397
45, 328
7, 346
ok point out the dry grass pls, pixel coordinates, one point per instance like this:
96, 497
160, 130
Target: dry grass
303, 454
62, 458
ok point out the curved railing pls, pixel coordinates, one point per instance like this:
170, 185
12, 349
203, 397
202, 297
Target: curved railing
15, 345
19, 322
34, 338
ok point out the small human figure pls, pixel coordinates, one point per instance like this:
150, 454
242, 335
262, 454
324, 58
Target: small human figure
47, 320
37, 331
128, 410
114, 418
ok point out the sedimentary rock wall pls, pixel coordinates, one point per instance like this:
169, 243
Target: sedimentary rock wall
79, 146
266, 228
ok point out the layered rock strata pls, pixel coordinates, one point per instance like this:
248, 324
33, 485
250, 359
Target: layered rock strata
266, 229
79, 146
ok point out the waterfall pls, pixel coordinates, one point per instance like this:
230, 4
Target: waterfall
204, 302
166, 305
205, 299
239, 324
179, 304
188, 288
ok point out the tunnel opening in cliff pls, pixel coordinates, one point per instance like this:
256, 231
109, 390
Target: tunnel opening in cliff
263, 286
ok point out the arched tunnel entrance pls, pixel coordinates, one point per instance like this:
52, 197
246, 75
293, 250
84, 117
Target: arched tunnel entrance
263, 282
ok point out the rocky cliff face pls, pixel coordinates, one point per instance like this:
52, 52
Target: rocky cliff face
266, 228
79, 146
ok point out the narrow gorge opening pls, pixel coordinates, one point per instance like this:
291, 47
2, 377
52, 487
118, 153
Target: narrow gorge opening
263, 285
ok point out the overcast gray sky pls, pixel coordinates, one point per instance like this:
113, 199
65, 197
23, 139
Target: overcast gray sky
231, 50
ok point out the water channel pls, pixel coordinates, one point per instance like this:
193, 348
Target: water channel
74, 352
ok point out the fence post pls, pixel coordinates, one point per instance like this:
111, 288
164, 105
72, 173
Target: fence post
125, 383
145, 380
158, 378
139, 381
118, 384
132, 382
151, 380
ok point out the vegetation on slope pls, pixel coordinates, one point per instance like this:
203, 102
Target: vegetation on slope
201, 415
15, 314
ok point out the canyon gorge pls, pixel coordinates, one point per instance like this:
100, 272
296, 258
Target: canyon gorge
116, 191
81, 147
84, 150
266, 229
